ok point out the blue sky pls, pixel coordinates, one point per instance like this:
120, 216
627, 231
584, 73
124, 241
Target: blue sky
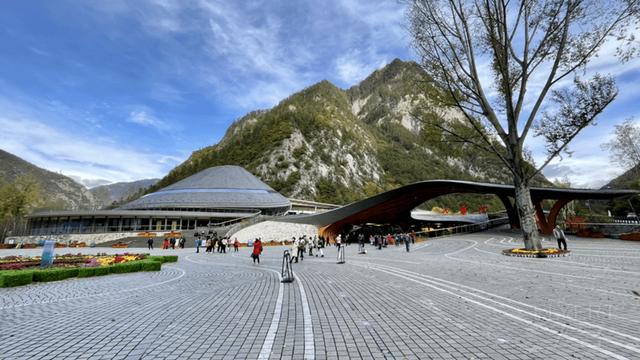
116, 90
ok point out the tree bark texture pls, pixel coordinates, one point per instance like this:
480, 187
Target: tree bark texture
527, 215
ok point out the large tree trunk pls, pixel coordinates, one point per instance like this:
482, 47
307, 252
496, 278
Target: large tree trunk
526, 212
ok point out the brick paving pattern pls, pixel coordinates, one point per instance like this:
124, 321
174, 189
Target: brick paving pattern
449, 298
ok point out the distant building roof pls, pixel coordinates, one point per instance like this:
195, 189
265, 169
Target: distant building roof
139, 214
221, 187
431, 216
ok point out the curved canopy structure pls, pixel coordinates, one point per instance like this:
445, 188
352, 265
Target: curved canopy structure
396, 205
221, 187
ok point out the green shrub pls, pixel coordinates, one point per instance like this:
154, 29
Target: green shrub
102, 270
150, 265
54, 274
127, 267
163, 258
158, 258
11, 278
86, 272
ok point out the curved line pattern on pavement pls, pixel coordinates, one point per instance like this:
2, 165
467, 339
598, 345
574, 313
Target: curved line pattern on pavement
101, 294
309, 342
267, 346
556, 274
448, 255
441, 285
575, 263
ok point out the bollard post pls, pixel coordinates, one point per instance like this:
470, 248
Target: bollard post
287, 269
341, 254
361, 249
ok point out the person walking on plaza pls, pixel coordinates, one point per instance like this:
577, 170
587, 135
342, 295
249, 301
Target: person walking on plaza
560, 237
197, 243
165, 244
224, 245
150, 243
320, 246
294, 250
388, 240
407, 241
236, 245
257, 250
301, 248
172, 241
311, 244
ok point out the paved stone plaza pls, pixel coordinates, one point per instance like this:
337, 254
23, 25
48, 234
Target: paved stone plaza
449, 298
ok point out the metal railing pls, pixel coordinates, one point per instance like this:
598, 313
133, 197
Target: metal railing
464, 229
248, 221
226, 223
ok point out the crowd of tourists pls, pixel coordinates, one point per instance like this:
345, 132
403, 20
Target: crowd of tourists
378, 241
306, 244
309, 245
211, 242
168, 243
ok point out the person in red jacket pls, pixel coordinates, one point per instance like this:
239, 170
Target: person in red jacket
257, 250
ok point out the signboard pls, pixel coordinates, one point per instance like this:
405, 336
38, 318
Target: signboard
47, 254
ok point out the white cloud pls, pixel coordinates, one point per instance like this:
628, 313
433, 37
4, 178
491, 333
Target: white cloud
90, 183
587, 171
78, 154
145, 118
352, 68
254, 54
589, 166
384, 19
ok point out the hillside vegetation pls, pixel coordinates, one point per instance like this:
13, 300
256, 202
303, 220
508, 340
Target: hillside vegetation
332, 145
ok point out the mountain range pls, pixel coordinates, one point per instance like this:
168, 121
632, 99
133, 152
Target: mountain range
325, 144
333, 145
60, 192
113, 194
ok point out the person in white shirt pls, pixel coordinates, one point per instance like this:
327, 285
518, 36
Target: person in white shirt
560, 237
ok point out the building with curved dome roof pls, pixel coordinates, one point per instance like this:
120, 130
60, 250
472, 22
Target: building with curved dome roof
221, 188
212, 196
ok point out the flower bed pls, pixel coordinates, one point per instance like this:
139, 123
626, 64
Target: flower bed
68, 261
588, 233
630, 236
19, 270
546, 252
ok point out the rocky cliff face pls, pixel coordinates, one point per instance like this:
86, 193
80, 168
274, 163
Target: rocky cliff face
58, 191
333, 145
